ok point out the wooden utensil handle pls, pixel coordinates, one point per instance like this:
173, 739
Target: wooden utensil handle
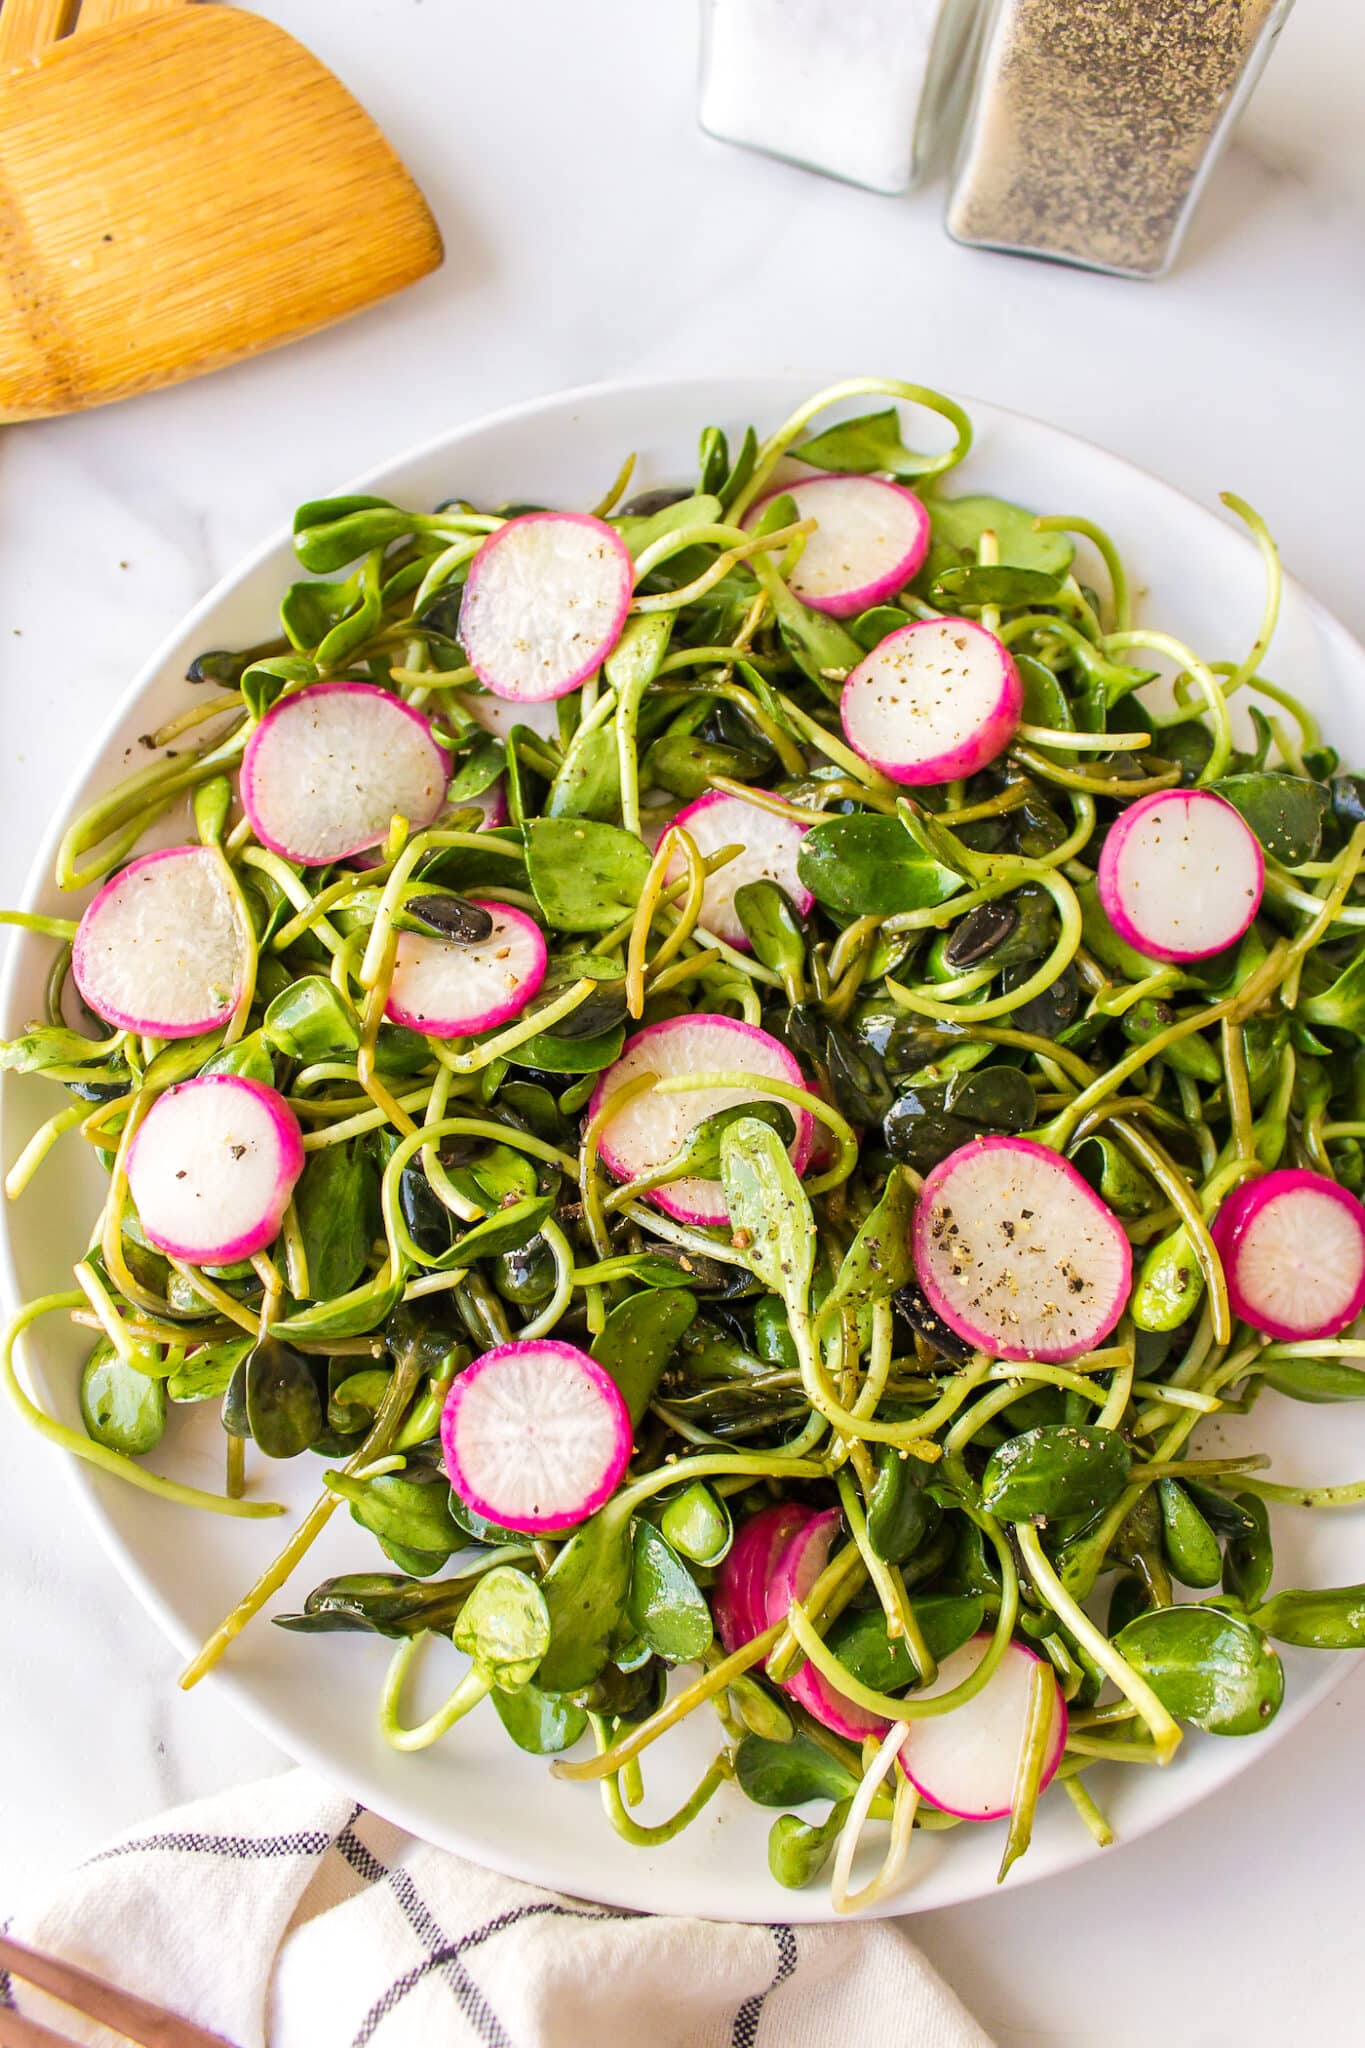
28, 26
99, 13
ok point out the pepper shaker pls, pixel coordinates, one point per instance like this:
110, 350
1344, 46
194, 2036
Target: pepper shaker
857, 89
1094, 124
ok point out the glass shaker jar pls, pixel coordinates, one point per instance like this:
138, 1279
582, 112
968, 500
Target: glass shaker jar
1094, 124
858, 89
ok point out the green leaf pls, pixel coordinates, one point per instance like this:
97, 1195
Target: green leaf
586, 876
638, 1338
1206, 1666
666, 1608
122, 1408
869, 866
790, 1773
336, 1202
588, 784
537, 1722
206, 1373
960, 523
1108, 1169
1316, 1379
860, 446
1191, 1546
330, 532
1056, 1470
1284, 811
552, 1052
586, 1589
350, 1315
878, 1261
378, 1603
860, 1640
998, 585
504, 1628
408, 1510
770, 1214
309, 1021
1326, 1618
283, 1405
697, 1524
506, 1230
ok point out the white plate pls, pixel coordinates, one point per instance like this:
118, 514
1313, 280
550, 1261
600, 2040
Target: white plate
315, 1695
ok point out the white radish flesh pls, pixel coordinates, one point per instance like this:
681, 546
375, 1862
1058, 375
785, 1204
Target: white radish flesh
544, 604
328, 769
798, 1567
965, 1761
870, 539
1293, 1248
536, 1436
771, 844
1181, 875
161, 949
447, 990
212, 1168
494, 715
1016, 1252
647, 1132
740, 1600
935, 701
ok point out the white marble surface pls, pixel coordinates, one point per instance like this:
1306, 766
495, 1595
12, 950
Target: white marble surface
592, 231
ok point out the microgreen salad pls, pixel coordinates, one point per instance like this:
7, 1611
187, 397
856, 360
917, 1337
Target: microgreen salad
746, 1066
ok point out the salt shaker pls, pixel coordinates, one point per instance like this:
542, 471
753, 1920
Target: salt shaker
1094, 124
854, 88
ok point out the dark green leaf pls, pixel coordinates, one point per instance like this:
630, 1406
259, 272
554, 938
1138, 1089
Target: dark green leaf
504, 1628
1327, 1618
1057, 1470
878, 1261
666, 1607
1206, 1666
868, 865
1191, 1546
1005, 586
538, 1722
790, 1773
960, 522
586, 876
770, 1214
309, 1021
860, 1640
379, 1603
350, 1315
122, 1408
1249, 1561
408, 1510
336, 1201
283, 1406
585, 1589
638, 1339
1285, 812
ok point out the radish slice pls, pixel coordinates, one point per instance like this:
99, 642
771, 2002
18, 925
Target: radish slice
965, 1761
1016, 1252
740, 1600
327, 770
161, 948
771, 844
647, 1132
212, 1168
536, 1436
1181, 875
798, 1567
936, 700
1293, 1248
544, 604
871, 538
448, 990
492, 715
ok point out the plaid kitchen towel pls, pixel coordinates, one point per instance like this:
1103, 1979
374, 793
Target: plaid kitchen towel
282, 1915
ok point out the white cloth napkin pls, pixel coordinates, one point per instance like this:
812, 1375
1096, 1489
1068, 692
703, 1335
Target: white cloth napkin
282, 1915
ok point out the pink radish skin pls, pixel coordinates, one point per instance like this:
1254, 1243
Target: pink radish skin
1017, 1253
770, 844
648, 1131
536, 1436
1293, 1248
544, 604
936, 700
798, 1567
740, 1600
871, 538
328, 769
492, 802
965, 1761
164, 930
212, 1168
1181, 875
448, 990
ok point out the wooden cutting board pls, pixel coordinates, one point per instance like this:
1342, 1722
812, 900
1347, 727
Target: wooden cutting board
180, 185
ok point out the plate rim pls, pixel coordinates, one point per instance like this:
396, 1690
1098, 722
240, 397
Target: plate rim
809, 1907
